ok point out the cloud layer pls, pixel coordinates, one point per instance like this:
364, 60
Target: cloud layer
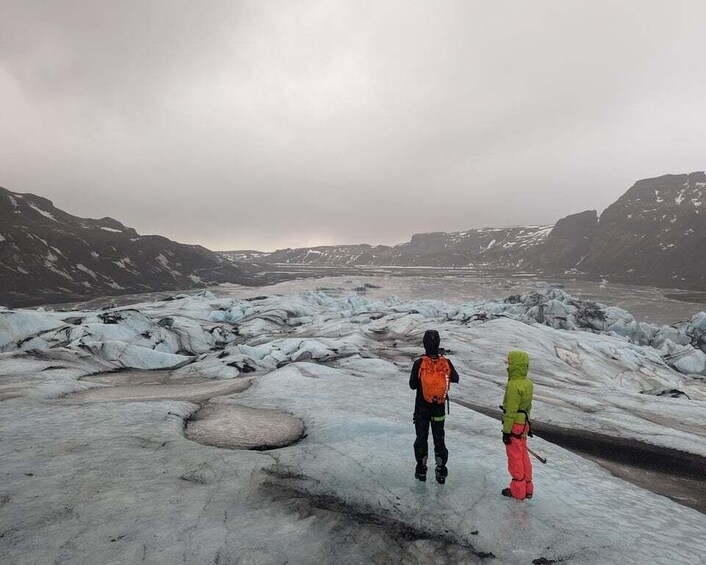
285, 123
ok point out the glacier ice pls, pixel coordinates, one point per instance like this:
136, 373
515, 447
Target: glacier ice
107, 473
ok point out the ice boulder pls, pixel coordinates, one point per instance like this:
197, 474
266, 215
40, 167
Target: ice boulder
233, 314
698, 333
134, 356
19, 325
699, 321
687, 360
636, 332
669, 334
559, 315
590, 316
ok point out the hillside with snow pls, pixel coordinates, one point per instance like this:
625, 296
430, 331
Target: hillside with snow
47, 255
155, 462
655, 234
504, 247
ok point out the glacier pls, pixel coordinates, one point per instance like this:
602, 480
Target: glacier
278, 429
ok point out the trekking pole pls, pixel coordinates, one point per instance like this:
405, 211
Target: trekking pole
538, 456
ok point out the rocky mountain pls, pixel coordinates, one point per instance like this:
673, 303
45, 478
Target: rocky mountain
479, 247
47, 255
569, 242
497, 247
654, 234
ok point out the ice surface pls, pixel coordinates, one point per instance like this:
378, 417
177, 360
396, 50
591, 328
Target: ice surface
18, 325
115, 482
118, 482
605, 353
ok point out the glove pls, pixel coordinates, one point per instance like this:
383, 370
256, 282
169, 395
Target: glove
507, 438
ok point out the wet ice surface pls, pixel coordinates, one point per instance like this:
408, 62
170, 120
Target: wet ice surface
119, 481
191, 392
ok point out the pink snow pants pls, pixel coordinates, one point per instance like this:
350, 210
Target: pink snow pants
519, 464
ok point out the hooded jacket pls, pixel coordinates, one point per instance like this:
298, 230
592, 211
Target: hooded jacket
518, 394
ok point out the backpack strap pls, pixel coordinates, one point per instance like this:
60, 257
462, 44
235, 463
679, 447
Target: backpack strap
448, 383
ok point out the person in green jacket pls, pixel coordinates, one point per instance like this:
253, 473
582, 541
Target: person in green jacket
517, 404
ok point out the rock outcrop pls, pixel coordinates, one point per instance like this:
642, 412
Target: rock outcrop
654, 234
569, 243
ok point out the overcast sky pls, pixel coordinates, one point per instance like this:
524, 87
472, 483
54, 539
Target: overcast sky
270, 124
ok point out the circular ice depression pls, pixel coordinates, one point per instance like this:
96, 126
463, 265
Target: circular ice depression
239, 427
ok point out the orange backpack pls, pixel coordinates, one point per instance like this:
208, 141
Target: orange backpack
434, 376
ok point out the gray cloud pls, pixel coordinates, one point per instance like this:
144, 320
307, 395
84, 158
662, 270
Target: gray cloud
273, 124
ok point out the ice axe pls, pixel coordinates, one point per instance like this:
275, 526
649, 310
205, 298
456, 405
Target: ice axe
538, 456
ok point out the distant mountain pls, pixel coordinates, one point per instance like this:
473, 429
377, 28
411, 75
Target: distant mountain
497, 247
339, 255
244, 255
490, 246
47, 255
654, 234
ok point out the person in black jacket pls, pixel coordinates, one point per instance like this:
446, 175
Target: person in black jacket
430, 413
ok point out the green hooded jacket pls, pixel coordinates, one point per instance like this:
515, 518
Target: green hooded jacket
518, 394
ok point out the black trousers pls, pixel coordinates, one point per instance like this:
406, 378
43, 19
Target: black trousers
422, 422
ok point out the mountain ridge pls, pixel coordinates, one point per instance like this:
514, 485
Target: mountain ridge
48, 255
654, 233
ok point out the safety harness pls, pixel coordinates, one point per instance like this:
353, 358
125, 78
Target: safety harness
528, 424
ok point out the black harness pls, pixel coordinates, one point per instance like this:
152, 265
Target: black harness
528, 423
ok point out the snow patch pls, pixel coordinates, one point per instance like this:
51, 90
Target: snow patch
86, 270
43, 212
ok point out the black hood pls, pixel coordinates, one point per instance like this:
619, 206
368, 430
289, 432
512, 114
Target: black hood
431, 342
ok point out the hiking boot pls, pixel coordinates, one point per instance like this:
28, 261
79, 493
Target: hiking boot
507, 492
421, 474
441, 471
